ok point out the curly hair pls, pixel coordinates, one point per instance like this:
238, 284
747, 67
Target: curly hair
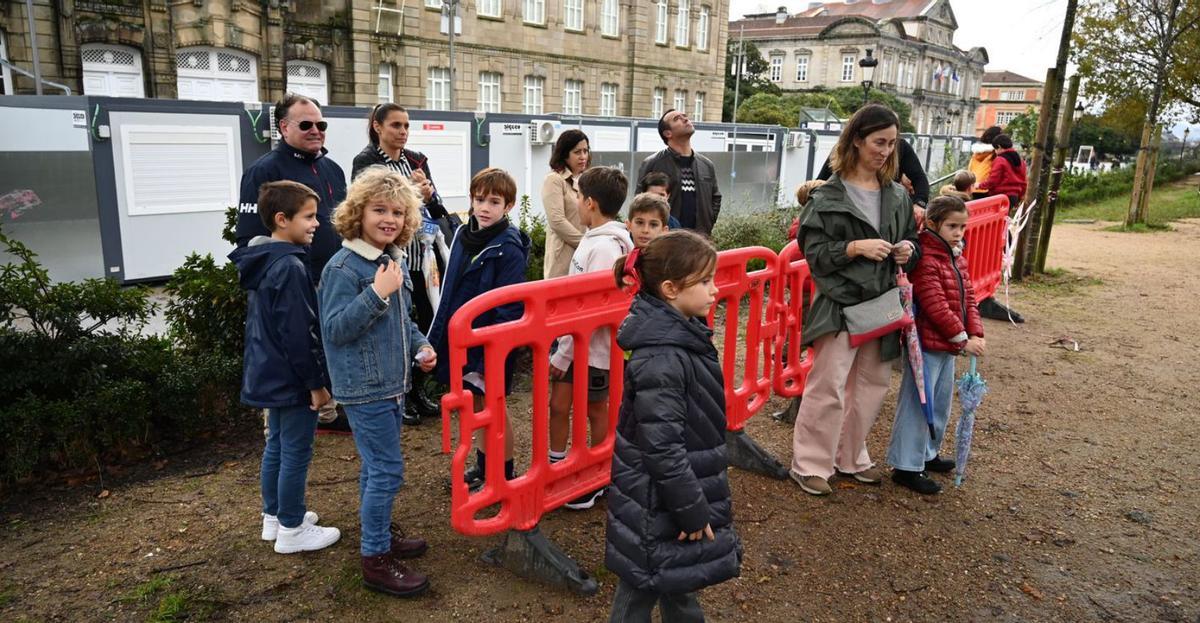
383, 185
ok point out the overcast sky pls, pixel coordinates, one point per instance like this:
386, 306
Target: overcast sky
1020, 35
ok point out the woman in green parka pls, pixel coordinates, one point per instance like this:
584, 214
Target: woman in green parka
854, 231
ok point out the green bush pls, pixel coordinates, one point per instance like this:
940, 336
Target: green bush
767, 229
1083, 189
535, 226
206, 311
84, 386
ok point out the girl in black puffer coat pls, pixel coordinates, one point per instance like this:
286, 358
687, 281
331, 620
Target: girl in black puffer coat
670, 517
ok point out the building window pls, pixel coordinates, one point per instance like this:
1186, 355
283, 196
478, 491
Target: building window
698, 110
1004, 118
573, 14
660, 23
802, 69
682, 23
610, 18
656, 107
216, 74
308, 79
776, 69
438, 93
385, 82
433, 4
6, 80
608, 100
489, 8
1012, 96
680, 100
702, 29
534, 87
115, 71
573, 97
489, 92
847, 68
535, 11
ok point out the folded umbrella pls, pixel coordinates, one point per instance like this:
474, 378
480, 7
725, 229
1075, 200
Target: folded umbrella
971, 388
912, 341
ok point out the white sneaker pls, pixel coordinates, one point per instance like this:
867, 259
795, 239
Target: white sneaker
271, 524
305, 538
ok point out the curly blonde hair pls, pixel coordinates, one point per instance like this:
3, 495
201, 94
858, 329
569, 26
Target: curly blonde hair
378, 184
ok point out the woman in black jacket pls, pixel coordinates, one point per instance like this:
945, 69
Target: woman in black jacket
387, 129
670, 516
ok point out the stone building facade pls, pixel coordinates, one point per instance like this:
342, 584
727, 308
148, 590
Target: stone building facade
591, 57
913, 41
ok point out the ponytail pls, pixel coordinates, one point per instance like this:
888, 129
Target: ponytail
679, 256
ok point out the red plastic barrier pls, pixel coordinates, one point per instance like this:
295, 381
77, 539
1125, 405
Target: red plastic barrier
746, 396
788, 301
572, 305
987, 231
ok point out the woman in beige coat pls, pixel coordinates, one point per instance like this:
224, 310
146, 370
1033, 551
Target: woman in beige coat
560, 199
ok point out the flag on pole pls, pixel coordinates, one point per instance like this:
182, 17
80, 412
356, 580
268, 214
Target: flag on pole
955, 75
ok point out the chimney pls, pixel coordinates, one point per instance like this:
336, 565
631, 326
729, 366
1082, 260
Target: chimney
781, 15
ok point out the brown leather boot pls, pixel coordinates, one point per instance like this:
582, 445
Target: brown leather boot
386, 574
404, 547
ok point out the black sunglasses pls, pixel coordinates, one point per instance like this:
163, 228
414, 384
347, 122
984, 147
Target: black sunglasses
307, 125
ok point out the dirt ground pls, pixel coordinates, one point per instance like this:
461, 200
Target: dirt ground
1081, 505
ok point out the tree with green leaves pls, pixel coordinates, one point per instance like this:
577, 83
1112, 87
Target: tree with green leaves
1149, 48
784, 110
753, 76
851, 98
1023, 129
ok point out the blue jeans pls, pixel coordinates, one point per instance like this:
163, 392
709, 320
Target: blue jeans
911, 445
376, 428
285, 462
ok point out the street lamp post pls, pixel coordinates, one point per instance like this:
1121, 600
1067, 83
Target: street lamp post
450, 11
867, 64
1076, 116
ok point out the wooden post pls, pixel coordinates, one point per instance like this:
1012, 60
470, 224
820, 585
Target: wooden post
1035, 171
1139, 177
1056, 176
1152, 167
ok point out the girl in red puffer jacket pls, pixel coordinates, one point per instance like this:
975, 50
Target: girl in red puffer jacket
948, 323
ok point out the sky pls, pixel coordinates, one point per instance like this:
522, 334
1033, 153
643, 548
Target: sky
1020, 35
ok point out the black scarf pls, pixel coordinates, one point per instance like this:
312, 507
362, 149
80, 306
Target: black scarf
476, 238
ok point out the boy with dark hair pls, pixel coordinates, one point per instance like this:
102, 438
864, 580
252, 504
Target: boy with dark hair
960, 186
488, 252
648, 218
601, 191
284, 371
658, 183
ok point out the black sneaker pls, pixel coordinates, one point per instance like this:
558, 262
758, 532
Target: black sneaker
917, 481
412, 416
585, 501
339, 426
940, 465
474, 475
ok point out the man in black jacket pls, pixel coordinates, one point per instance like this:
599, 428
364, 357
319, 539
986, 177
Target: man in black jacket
299, 157
695, 198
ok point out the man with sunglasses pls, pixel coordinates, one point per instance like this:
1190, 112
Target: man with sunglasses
299, 157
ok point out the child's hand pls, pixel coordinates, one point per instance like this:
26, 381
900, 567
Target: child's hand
975, 346
556, 373
387, 280
426, 358
697, 535
874, 249
320, 398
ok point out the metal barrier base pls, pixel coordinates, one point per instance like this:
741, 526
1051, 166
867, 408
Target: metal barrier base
994, 310
788, 415
530, 554
745, 453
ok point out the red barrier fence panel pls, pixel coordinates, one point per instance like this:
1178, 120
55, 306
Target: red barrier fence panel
573, 306
789, 301
987, 231
745, 396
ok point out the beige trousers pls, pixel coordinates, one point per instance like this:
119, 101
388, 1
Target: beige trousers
842, 397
